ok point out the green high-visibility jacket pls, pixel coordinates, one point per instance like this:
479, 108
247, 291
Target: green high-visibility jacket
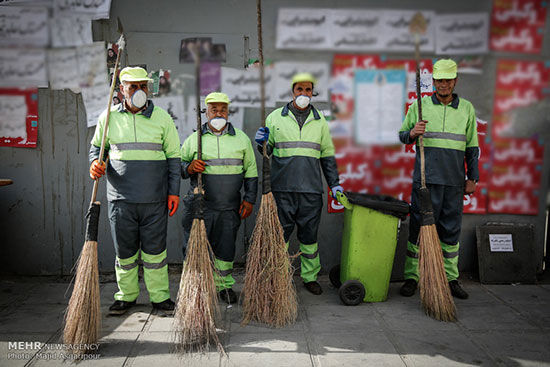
144, 155
229, 164
297, 152
450, 140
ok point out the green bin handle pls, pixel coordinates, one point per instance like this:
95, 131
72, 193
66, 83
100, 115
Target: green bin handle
343, 199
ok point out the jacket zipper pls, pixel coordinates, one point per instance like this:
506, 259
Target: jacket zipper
444, 115
135, 132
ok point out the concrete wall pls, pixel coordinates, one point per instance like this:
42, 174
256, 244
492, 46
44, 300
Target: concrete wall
42, 213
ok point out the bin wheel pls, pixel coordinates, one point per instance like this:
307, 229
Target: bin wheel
334, 276
352, 292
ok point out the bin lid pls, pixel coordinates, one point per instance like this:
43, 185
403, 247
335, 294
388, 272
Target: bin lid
383, 203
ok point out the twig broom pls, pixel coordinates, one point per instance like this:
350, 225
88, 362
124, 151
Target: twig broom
434, 289
196, 305
83, 316
269, 295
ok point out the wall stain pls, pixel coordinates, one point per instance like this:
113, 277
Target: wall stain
77, 126
52, 131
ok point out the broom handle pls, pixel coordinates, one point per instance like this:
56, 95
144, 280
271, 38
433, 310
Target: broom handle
198, 97
266, 167
121, 45
419, 103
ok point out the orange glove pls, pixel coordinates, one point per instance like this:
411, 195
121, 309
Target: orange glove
173, 202
97, 169
196, 166
245, 210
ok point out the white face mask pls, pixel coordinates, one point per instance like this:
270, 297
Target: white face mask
218, 123
139, 98
302, 101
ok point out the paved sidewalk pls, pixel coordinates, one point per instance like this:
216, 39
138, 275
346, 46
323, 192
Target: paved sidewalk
500, 325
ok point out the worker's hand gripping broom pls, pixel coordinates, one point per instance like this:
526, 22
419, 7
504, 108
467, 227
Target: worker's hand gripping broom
196, 306
434, 289
83, 316
269, 295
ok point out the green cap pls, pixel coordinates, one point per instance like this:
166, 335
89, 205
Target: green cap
303, 77
216, 97
134, 74
444, 69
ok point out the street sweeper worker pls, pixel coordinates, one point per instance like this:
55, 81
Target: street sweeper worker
228, 164
450, 140
298, 136
143, 186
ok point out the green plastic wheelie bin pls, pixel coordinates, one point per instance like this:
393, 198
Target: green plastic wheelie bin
371, 225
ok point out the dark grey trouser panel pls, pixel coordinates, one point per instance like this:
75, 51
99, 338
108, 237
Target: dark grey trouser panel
301, 209
443, 166
221, 227
221, 192
139, 181
135, 226
296, 174
447, 202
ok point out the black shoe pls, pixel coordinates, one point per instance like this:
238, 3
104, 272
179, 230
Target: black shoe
228, 296
314, 287
408, 288
456, 290
167, 306
120, 307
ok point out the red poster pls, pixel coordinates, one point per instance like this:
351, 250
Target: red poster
517, 25
18, 117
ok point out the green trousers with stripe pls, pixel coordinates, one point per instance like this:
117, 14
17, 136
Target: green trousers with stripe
139, 230
450, 261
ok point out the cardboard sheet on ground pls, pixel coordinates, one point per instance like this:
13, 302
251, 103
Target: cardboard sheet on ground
19, 117
24, 26
285, 70
379, 97
71, 30
243, 86
23, 68
462, 33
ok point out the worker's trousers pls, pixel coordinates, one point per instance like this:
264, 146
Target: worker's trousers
140, 229
447, 203
221, 228
304, 211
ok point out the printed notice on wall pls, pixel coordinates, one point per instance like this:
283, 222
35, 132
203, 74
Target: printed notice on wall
501, 243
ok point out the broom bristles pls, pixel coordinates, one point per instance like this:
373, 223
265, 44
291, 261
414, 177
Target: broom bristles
434, 289
269, 295
83, 315
197, 309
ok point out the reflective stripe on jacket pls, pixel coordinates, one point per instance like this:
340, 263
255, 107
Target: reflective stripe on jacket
297, 152
144, 156
450, 140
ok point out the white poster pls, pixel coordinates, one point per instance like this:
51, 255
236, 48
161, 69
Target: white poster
92, 64
396, 36
236, 116
285, 70
355, 29
23, 26
70, 30
94, 9
462, 33
299, 28
379, 100
23, 68
501, 243
190, 124
243, 86
95, 100
175, 108
13, 116
63, 68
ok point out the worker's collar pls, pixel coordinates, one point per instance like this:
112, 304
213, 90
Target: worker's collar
228, 129
286, 108
453, 104
147, 111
